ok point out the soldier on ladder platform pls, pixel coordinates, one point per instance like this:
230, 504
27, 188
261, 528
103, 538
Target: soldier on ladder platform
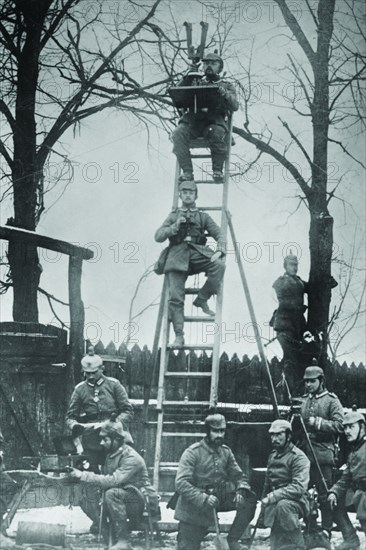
186, 228
211, 122
210, 118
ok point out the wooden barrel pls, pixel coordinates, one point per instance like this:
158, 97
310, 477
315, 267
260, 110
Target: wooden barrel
53, 534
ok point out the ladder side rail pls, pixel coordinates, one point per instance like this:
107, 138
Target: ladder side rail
220, 295
161, 392
252, 315
155, 349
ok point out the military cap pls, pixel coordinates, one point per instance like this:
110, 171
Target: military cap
188, 184
216, 421
280, 425
214, 57
291, 258
111, 428
313, 372
91, 362
353, 417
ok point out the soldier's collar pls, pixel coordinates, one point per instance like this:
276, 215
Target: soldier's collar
324, 392
97, 383
117, 451
188, 209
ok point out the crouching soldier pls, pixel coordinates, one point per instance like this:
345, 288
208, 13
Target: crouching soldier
209, 480
351, 487
123, 487
285, 489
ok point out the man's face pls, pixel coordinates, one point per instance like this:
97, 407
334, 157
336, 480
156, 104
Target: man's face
211, 67
279, 440
291, 267
352, 431
188, 197
216, 437
93, 376
106, 442
312, 385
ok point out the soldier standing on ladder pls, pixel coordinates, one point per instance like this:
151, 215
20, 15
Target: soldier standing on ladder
210, 122
185, 228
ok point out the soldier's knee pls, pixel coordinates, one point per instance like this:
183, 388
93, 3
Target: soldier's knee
286, 516
181, 133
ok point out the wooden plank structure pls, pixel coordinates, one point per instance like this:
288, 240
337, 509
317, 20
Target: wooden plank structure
38, 369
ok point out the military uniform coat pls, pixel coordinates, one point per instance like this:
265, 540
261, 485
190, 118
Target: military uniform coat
122, 467
352, 485
287, 477
289, 316
179, 251
202, 467
93, 403
328, 413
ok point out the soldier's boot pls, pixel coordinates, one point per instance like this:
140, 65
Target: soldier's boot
199, 302
122, 535
178, 341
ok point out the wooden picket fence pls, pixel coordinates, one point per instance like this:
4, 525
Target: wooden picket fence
242, 380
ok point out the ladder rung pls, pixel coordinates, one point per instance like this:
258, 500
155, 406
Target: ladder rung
169, 464
193, 347
187, 403
189, 374
182, 434
199, 143
211, 182
199, 319
191, 290
200, 156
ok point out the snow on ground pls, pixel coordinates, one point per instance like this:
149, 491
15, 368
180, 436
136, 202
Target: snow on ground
77, 528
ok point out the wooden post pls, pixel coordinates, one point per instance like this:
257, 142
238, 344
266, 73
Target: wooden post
76, 320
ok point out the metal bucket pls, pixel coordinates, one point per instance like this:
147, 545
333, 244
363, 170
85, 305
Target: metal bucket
53, 534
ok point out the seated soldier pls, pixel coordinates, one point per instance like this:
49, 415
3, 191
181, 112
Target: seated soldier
123, 485
350, 490
209, 480
185, 228
210, 122
284, 499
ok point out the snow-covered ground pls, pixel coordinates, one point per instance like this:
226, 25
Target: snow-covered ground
77, 528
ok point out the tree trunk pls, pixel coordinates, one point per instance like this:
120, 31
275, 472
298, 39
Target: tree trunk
321, 223
24, 263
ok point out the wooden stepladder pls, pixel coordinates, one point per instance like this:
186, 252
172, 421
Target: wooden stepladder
167, 377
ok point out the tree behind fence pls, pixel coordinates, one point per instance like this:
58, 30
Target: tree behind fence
241, 380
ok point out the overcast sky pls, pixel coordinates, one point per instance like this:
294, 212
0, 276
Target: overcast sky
122, 190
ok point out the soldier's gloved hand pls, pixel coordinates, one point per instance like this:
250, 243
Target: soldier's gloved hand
216, 256
77, 430
212, 501
223, 91
73, 473
332, 499
311, 421
239, 499
180, 220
